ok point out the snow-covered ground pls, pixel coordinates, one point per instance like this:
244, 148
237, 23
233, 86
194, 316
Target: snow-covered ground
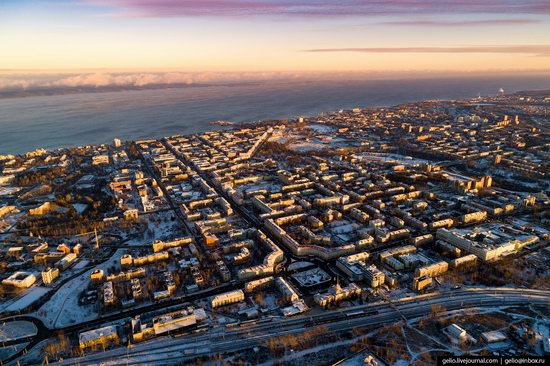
295, 356
322, 128
391, 158
83, 263
9, 221
5, 191
63, 308
159, 226
359, 359
29, 297
307, 146
34, 357
299, 265
80, 207
7, 351
256, 186
317, 144
18, 329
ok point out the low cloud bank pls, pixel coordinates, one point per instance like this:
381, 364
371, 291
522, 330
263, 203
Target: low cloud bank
318, 8
104, 79
541, 50
19, 84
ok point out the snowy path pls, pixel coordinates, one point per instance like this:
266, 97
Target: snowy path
15, 330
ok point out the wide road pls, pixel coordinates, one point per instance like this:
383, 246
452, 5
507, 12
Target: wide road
226, 339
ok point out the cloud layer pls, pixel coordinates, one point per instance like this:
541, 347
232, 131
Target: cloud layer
21, 85
536, 50
176, 8
462, 23
135, 80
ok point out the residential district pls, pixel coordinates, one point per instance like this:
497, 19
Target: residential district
377, 236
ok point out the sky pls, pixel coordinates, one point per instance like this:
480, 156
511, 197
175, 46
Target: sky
270, 37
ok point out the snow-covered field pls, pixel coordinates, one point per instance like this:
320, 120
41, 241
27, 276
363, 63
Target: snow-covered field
159, 226
317, 144
6, 352
12, 331
63, 308
35, 355
83, 263
29, 297
307, 146
322, 128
